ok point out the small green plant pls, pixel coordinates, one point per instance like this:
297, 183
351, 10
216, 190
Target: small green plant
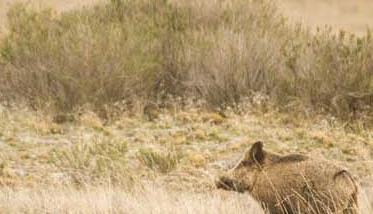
162, 162
99, 160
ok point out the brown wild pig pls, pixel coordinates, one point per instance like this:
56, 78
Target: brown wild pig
293, 183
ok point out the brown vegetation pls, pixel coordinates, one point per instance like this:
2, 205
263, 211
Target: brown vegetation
233, 52
181, 153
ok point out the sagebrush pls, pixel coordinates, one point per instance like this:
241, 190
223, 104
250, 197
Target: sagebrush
222, 52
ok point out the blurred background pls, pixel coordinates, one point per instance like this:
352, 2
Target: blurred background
350, 15
59, 5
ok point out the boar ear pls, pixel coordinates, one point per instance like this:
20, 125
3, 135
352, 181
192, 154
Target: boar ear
256, 153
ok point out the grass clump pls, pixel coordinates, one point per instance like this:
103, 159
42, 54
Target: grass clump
96, 56
162, 162
220, 51
98, 161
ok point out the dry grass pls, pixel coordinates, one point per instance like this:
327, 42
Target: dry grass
101, 169
119, 56
350, 15
158, 161
148, 199
107, 200
64, 5
115, 201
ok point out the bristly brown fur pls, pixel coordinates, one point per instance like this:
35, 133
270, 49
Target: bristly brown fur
293, 183
292, 158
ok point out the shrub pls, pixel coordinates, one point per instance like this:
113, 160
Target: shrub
219, 51
110, 53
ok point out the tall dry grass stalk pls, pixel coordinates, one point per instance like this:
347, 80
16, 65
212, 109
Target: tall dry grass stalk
108, 200
150, 199
220, 51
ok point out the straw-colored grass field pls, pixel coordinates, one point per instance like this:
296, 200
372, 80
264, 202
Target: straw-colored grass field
75, 136
165, 166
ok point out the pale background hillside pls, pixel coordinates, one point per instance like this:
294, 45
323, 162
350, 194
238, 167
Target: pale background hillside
350, 15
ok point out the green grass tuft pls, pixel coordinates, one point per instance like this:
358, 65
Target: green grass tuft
163, 163
98, 161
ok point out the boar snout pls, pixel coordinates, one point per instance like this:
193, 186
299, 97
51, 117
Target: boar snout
229, 184
224, 182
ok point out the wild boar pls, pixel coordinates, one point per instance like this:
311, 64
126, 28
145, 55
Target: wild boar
293, 183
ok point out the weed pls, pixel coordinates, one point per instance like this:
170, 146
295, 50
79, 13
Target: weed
100, 160
162, 162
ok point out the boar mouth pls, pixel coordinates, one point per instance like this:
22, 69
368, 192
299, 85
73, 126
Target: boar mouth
228, 184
